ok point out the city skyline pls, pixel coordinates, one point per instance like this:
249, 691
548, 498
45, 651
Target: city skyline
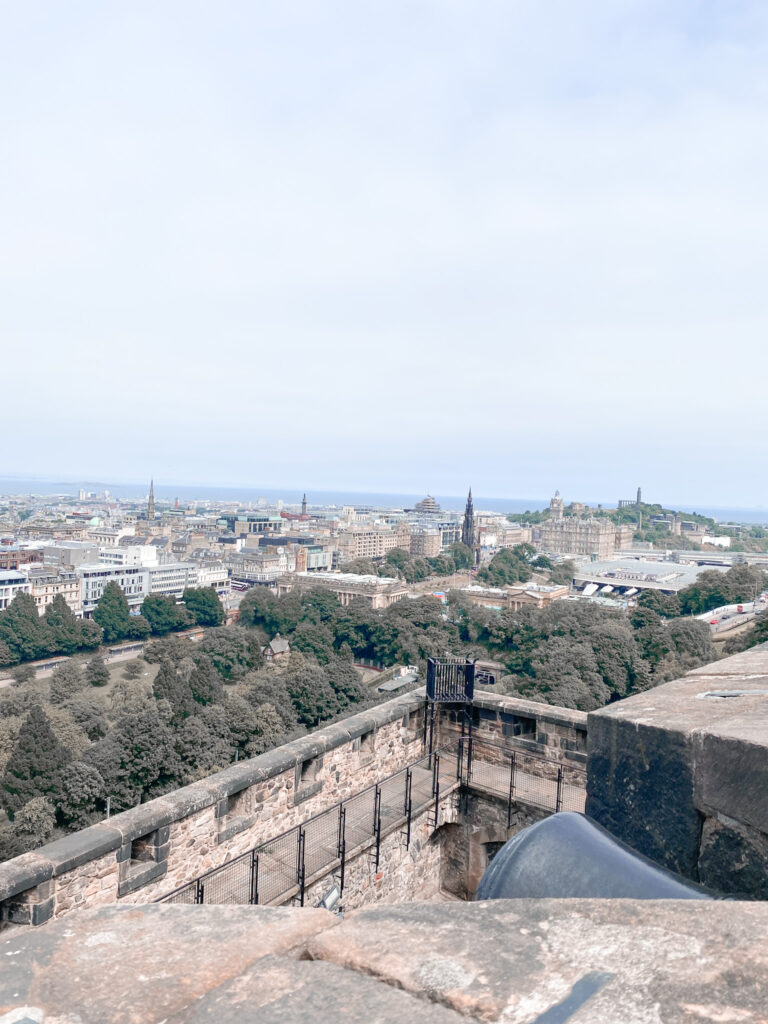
247, 494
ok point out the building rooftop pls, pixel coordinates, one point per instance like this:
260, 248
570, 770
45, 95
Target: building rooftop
351, 578
639, 573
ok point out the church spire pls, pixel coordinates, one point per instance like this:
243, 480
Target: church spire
304, 505
151, 502
468, 526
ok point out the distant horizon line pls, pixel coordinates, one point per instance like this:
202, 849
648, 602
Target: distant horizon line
81, 483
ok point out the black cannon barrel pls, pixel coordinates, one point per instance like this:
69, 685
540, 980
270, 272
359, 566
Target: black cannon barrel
568, 855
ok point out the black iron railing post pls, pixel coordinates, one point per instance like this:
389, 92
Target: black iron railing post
408, 806
559, 799
300, 876
469, 759
436, 787
511, 789
342, 845
199, 892
377, 822
460, 757
254, 894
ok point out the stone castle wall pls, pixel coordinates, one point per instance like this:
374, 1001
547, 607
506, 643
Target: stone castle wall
680, 773
540, 730
146, 852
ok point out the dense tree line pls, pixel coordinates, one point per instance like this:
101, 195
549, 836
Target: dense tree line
25, 635
413, 569
512, 565
70, 743
571, 653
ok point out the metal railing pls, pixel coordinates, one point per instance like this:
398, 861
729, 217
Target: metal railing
520, 777
282, 868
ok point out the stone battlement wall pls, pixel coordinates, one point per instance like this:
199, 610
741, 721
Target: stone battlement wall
680, 773
144, 853
542, 730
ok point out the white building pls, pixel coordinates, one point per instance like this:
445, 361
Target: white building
131, 554
109, 537
172, 579
132, 579
214, 576
11, 583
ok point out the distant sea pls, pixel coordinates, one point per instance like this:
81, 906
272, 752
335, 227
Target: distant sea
290, 496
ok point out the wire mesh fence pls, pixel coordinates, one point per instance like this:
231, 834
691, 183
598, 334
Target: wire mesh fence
520, 777
280, 869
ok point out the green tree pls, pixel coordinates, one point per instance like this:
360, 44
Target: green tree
561, 573
164, 615
242, 720
205, 683
203, 744
315, 639
361, 567
34, 764
268, 733
67, 679
80, 786
204, 605
170, 685
269, 687
134, 669
23, 631
87, 710
23, 674
510, 565
665, 605
137, 759
68, 633
233, 651
398, 559
34, 824
463, 557
6, 658
113, 614
96, 672
311, 692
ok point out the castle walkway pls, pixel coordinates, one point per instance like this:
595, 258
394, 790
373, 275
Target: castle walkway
282, 869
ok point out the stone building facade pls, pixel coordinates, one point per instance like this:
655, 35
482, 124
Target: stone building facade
572, 536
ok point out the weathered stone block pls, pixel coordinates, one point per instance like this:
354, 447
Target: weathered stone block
139, 874
640, 787
81, 847
734, 858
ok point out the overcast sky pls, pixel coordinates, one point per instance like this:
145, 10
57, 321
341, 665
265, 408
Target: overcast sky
387, 246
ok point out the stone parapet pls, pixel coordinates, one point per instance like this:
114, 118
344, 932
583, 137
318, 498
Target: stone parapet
540, 729
138, 855
680, 773
511, 961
